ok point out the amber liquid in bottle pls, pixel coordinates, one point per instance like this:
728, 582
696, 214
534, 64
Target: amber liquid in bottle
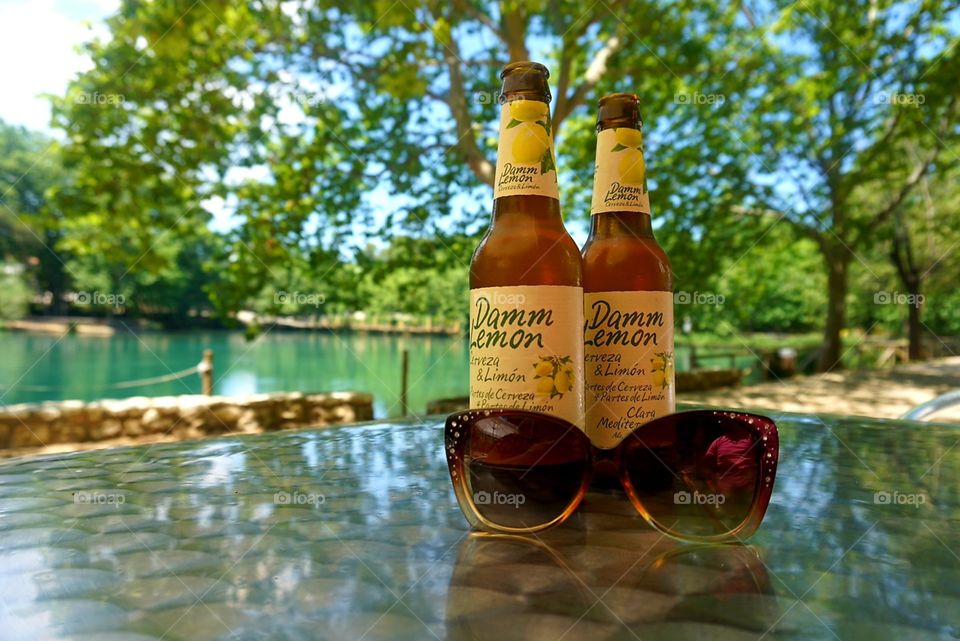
526, 291
628, 300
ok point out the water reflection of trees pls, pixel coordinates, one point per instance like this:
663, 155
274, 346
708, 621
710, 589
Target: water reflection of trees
865, 562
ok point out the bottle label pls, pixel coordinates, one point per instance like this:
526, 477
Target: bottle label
619, 179
525, 161
628, 352
526, 350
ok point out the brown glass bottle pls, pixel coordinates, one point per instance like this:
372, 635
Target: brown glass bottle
526, 292
628, 300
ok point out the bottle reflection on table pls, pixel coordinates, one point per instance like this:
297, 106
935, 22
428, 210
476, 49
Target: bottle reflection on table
603, 577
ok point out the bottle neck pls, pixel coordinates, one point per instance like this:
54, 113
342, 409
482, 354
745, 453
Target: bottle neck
619, 180
534, 212
621, 225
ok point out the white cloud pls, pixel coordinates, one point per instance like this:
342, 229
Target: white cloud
38, 40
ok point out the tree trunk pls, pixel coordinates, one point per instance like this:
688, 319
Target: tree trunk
914, 331
514, 27
838, 262
911, 275
54, 276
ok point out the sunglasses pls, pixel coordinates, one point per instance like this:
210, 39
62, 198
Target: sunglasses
700, 476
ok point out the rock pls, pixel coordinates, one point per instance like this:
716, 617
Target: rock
247, 423
49, 414
228, 415
72, 433
30, 435
345, 414
94, 413
107, 428
76, 416
133, 427
294, 412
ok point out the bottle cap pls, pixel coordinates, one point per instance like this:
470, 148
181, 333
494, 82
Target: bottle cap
525, 79
619, 110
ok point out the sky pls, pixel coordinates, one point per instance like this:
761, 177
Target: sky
41, 37
45, 35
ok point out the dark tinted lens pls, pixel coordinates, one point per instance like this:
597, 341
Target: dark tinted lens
524, 469
696, 473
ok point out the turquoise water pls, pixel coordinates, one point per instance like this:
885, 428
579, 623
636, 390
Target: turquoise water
40, 367
36, 367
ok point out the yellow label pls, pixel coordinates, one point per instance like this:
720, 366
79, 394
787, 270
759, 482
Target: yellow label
628, 352
526, 350
619, 179
525, 161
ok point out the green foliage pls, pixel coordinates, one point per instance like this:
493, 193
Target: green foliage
30, 225
15, 295
354, 145
775, 286
422, 293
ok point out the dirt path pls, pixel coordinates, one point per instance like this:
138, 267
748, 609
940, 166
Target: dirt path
880, 394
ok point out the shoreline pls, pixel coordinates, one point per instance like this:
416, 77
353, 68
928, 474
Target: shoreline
107, 327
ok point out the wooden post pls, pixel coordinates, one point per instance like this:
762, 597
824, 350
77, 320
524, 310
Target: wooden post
404, 378
206, 372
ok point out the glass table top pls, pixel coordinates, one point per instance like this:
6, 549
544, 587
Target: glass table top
354, 533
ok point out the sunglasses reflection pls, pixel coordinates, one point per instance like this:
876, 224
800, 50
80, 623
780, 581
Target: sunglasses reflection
602, 576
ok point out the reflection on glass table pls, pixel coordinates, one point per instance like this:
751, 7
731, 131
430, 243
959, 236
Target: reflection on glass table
607, 580
354, 533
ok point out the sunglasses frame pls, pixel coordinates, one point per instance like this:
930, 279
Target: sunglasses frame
456, 436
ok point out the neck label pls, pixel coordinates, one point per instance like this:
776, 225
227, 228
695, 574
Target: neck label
619, 179
525, 161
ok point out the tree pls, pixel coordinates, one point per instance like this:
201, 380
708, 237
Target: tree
30, 233
307, 119
925, 232
837, 84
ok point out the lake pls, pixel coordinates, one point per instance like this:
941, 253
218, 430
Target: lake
40, 367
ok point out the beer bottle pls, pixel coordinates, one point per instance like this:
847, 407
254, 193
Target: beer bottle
526, 293
628, 300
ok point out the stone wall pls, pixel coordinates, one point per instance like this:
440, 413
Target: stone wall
186, 417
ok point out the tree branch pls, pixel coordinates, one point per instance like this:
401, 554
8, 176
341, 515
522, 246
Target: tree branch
481, 17
595, 71
563, 80
514, 29
805, 230
466, 135
920, 170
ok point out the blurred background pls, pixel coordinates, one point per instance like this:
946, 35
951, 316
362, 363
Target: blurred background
299, 186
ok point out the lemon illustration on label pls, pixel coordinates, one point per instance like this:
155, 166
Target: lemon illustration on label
545, 387
544, 368
528, 110
530, 144
628, 137
554, 376
662, 363
631, 167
